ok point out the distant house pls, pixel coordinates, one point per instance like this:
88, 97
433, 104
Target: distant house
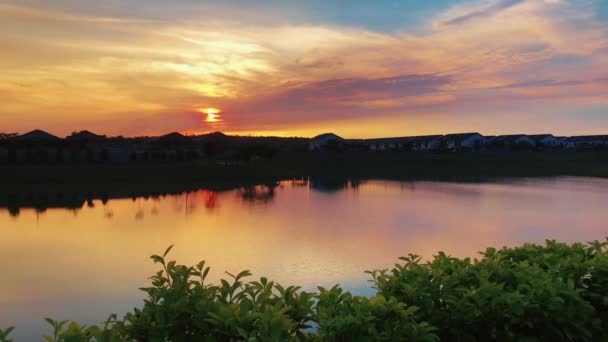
87, 146
37, 146
384, 144
325, 141
463, 141
511, 142
413, 144
8, 136
587, 142
37, 136
173, 139
425, 143
545, 140
86, 137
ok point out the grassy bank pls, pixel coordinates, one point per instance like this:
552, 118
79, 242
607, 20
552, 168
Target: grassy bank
556, 292
356, 165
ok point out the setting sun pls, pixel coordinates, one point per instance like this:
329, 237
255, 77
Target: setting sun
307, 142
213, 114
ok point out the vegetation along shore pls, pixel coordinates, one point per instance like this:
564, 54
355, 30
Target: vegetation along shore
366, 165
84, 157
555, 292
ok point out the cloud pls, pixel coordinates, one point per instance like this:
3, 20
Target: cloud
340, 98
338, 91
103, 71
488, 10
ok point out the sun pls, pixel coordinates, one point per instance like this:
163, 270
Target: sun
213, 114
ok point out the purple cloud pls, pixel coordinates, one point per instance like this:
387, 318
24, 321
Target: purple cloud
489, 11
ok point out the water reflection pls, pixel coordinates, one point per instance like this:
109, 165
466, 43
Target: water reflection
82, 253
40, 200
254, 194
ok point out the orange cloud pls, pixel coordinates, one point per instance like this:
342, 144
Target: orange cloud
68, 71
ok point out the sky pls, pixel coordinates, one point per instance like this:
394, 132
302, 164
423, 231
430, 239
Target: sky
300, 68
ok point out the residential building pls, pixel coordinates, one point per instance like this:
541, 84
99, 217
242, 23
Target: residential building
511, 142
587, 142
325, 141
463, 141
545, 141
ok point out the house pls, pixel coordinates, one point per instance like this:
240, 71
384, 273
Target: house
8, 136
425, 143
86, 137
37, 136
511, 142
587, 142
325, 141
36, 146
172, 139
462, 141
545, 140
414, 144
385, 144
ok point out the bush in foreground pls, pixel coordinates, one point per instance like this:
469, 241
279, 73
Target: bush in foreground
556, 292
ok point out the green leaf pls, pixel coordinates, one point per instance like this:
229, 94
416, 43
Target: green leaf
167, 250
158, 259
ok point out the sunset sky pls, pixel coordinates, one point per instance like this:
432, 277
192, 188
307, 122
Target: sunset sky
276, 67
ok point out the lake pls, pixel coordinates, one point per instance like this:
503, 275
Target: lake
70, 255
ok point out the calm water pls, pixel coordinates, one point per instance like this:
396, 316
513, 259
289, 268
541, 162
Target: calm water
83, 260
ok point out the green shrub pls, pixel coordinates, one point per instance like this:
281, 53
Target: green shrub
556, 292
344, 317
4, 334
181, 306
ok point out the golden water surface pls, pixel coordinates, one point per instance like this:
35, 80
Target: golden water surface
85, 263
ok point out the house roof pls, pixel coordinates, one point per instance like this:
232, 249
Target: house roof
38, 135
85, 136
419, 138
389, 140
174, 137
8, 136
461, 136
215, 136
328, 136
586, 138
538, 137
403, 139
509, 138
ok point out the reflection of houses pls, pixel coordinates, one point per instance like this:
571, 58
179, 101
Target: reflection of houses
40, 201
326, 141
329, 185
587, 142
512, 142
463, 141
258, 193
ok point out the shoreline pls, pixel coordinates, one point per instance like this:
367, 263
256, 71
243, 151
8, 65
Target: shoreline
398, 166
